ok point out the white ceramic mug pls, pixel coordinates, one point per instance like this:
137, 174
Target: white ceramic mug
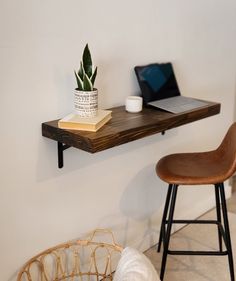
133, 104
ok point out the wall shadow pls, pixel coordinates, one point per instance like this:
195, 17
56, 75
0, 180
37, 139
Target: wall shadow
142, 200
76, 159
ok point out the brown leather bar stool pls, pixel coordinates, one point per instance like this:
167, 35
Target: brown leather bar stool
203, 168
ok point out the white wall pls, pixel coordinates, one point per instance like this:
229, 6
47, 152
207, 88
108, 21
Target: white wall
41, 43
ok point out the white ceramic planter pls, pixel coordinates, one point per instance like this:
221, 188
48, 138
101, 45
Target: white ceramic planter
86, 103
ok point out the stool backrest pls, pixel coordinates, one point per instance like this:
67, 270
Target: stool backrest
226, 152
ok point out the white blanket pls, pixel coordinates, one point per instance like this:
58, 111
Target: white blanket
135, 266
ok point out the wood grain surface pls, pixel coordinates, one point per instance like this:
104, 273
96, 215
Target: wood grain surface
126, 127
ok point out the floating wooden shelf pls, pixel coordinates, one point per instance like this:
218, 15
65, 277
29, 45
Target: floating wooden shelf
123, 127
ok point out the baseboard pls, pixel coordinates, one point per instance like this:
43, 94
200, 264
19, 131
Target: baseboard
233, 182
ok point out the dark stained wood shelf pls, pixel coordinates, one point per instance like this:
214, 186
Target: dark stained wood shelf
123, 127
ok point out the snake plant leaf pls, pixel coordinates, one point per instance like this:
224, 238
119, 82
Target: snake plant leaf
79, 82
88, 86
87, 61
93, 77
81, 71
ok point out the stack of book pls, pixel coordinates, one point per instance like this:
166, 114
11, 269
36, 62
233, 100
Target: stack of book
93, 124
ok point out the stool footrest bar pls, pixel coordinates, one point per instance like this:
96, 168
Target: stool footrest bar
195, 221
198, 253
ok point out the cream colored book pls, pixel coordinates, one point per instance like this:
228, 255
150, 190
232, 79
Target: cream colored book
93, 124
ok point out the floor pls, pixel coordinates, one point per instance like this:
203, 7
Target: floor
191, 237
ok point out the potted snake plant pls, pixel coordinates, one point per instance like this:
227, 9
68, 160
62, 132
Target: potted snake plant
86, 96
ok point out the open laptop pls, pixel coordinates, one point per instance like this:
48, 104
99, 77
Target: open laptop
160, 89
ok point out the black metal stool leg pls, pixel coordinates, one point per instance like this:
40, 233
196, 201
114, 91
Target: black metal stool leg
227, 231
218, 213
164, 216
166, 238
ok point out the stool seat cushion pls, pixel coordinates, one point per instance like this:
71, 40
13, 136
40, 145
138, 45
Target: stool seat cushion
195, 168
209, 167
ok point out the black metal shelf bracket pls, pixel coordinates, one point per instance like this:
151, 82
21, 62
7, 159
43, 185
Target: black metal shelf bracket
60, 148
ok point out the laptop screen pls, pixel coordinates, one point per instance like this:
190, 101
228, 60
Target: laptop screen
157, 81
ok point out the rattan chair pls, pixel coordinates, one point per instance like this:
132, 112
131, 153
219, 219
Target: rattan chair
77, 260
204, 168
